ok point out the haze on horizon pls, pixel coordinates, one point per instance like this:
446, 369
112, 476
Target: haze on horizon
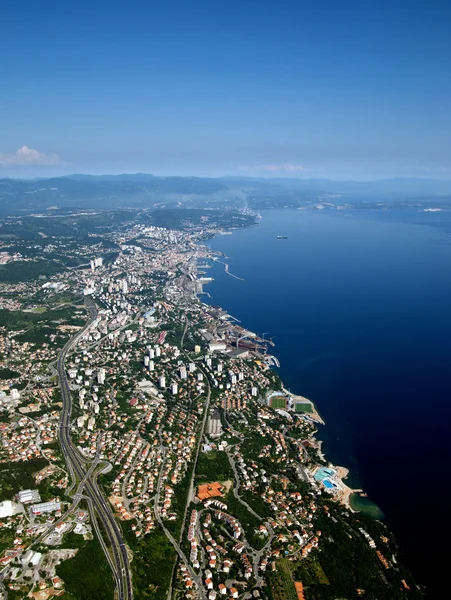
340, 91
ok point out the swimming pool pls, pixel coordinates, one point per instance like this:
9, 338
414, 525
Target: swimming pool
323, 473
328, 484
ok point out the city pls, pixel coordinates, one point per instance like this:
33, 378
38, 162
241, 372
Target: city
154, 425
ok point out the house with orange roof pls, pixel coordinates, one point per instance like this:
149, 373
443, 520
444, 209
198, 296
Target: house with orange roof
299, 590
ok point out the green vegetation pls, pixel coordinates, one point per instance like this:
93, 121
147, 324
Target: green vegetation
153, 559
7, 539
181, 218
252, 446
261, 507
15, 476
73, 540
317, 572
6, 373
346, 563
37, 327
16, 320
179, 501
27, 271
48, 489
281, 581
64, 226
213, 466
91, 563
20, 595
249, 522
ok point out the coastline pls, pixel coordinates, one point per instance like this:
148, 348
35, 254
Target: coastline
314, 415
343, 493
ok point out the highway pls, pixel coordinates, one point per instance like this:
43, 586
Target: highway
80, 469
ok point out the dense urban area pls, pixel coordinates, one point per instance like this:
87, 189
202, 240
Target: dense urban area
149, 449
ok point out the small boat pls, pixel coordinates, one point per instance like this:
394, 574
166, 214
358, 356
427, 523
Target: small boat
282, 237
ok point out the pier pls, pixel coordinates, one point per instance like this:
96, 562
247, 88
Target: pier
226, 269
273, 360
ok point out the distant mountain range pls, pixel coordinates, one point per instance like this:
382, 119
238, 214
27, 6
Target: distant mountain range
148, 191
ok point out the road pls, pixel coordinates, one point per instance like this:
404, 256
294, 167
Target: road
80, 470
237, 486
197, 579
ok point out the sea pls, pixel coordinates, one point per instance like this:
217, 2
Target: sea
358, 304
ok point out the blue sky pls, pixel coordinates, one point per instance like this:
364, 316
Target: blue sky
327, 89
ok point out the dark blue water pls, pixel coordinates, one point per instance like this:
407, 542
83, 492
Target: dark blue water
361, 313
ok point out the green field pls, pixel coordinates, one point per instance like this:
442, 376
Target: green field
278, 402
303, 407
282, 584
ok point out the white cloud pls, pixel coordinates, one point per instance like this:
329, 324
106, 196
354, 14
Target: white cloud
286, 167
28, 157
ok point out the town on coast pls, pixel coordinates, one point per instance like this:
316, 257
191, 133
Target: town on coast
149, 442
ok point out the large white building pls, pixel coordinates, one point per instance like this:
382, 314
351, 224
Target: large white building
101, 376
26, 496
6, 509
217, 346
31, 557
45, 507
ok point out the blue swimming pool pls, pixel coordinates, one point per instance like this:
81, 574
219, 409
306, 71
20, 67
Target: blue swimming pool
328, 484
323, 473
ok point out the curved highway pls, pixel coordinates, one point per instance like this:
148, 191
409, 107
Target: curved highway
79, 468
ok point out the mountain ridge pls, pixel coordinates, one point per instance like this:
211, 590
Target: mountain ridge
145, 190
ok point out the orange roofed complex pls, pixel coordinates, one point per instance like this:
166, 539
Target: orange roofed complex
209, 490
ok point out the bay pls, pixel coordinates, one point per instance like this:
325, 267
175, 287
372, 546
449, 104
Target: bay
360, 311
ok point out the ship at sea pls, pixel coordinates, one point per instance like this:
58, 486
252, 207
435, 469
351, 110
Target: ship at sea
282, 237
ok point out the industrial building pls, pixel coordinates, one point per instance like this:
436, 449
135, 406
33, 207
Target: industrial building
27, 496
6, 509
45, 507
